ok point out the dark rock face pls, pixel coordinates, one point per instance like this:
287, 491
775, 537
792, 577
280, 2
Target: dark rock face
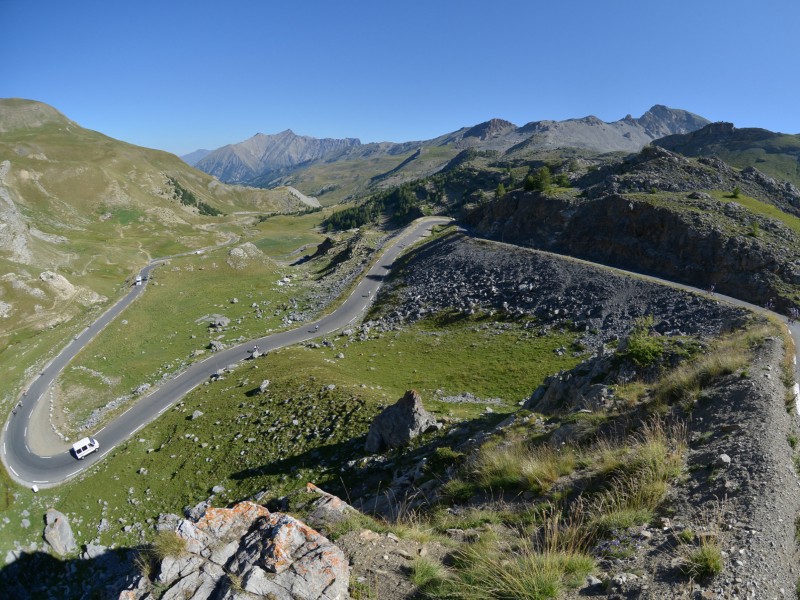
694, 239
399, 423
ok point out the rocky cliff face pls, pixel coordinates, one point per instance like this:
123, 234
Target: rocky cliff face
679, 234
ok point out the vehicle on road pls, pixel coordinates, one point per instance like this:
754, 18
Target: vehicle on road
138, 280
84, 447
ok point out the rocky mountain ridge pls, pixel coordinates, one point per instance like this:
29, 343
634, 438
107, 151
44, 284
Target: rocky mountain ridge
776, 154
262, 158
262, 155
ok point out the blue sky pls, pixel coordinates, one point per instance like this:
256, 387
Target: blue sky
181, 75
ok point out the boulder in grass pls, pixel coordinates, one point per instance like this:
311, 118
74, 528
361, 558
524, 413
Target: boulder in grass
399, 423
58, 533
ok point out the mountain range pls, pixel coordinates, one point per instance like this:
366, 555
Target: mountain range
266, 160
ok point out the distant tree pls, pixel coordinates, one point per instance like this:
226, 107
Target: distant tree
500, 191
562, 180
538, 181
543, 179
736, 191
529, 184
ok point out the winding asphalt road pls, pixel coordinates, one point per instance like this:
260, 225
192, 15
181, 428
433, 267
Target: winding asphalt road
29, 468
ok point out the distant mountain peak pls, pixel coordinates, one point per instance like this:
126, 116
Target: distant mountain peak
262, 154
489, 129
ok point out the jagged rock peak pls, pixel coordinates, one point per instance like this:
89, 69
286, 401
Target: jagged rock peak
489, 129
661, 120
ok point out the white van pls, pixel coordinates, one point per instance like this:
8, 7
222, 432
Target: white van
138, 280
85, 446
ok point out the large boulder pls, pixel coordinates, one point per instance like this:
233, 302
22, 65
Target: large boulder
328, 509
245, 552
399, 423
58, 533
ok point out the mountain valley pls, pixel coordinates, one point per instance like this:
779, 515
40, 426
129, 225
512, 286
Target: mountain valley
567, 428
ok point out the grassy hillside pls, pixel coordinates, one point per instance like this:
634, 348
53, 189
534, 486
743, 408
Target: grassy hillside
83, 212
777, 154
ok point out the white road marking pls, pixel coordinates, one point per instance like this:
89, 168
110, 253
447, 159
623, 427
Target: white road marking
74, 473
797, 397
10, 468
35, 481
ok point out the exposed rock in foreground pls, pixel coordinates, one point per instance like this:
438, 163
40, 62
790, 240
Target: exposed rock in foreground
58, 533
248, 552
399, 424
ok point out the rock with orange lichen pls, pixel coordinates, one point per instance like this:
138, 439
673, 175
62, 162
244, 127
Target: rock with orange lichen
248, 552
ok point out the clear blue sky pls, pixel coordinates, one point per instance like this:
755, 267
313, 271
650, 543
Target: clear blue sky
181, 75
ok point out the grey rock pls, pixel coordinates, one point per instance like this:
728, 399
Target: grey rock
264, 386
58, 533
92, 551
216, 346
723, 460
219, 321
399, 423
327, 509
592, 581
269, 555
197, 511
196, 415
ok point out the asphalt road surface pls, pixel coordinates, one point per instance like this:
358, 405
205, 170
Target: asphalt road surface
29, 468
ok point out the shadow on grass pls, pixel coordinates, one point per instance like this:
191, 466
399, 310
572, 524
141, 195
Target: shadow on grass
40, 575
371, 475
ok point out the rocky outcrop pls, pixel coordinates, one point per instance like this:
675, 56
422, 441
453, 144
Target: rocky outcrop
469, 276
58, 533
776, 153
584, 387
679, 234
245, 254
399, 423
327, 509
248, 552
